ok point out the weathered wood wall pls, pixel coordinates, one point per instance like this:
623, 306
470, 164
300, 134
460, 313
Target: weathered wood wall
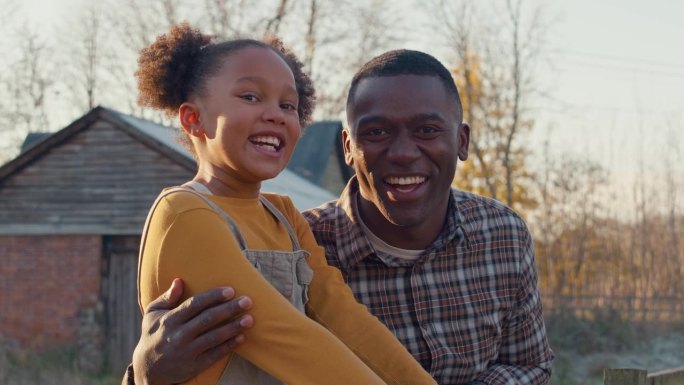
102, 180
96, 178
122, 317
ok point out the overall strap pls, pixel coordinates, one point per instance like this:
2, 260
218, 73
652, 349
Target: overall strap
269, 206
193, 189
199, 187
279, 216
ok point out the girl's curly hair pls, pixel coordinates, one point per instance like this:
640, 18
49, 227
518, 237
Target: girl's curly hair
177, 65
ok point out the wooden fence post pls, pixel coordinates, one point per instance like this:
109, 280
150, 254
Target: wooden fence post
667, 377
624, 377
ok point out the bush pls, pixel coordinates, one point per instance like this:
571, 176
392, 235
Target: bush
605, 330
49, 367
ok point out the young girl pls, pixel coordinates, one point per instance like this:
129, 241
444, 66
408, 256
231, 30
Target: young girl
241, 105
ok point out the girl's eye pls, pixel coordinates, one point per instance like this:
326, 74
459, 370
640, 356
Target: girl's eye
288, 106
249, 97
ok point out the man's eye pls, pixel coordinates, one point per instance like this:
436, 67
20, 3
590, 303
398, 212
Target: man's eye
427, 131
288, 106
375, 132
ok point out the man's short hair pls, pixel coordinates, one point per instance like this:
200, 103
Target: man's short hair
405, 62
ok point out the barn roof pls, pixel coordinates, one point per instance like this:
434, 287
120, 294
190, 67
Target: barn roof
304, 194
33, 138
319, 156
148, 135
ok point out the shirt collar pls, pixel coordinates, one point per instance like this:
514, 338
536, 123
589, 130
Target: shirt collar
352, 244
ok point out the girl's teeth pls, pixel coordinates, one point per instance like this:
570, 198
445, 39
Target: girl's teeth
266, 147
272, 140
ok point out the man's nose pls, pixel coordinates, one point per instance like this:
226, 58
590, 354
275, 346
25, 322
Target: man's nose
403, 149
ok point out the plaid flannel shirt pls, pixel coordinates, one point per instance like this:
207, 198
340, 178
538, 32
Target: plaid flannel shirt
468, 309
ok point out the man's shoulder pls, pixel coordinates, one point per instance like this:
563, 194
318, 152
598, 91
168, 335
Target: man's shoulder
327, 212
323, 221
468, 200
496, 229
480, 209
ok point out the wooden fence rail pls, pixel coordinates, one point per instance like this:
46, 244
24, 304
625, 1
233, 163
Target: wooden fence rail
646, 309
642, 377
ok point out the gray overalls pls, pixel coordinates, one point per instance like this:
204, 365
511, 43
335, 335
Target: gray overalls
287, 271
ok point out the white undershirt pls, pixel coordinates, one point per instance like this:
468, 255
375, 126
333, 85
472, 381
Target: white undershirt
382, 246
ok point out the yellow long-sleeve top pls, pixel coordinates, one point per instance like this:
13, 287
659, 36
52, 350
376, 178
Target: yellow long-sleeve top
189, 240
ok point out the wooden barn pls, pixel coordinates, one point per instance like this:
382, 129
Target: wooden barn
72, 206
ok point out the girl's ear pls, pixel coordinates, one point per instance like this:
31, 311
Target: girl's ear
189, 116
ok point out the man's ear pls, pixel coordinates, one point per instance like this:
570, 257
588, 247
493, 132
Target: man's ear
346, 145
190, 121
463, 141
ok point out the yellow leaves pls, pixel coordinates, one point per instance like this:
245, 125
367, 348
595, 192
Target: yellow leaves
497, 165
468, 80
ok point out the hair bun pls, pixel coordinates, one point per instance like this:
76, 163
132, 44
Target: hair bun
166, 68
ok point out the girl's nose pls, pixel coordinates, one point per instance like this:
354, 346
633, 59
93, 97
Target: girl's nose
273, 113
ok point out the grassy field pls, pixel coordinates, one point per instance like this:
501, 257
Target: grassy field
583, 349
57, 366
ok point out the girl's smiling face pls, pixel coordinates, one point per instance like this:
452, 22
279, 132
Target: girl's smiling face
248, 112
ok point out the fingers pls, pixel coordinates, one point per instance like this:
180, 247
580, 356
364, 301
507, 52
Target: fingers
207, 358
169, 299
174, 293
198, 304
222, 350
221, 341
213, 318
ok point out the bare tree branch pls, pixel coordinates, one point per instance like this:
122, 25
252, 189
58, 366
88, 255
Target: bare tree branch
273, 25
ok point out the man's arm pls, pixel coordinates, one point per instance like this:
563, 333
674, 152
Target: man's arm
178, 343
524, 355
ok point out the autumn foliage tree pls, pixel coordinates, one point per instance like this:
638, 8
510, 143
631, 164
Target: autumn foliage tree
495, 78
589, 251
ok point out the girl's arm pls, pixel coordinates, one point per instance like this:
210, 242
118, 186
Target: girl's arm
196, 246
333, 305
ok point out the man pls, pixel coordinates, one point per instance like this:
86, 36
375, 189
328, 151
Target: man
450, 273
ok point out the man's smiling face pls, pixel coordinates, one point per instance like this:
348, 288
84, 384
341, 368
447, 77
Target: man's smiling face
405, 137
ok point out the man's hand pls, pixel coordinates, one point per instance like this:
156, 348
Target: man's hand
177, 344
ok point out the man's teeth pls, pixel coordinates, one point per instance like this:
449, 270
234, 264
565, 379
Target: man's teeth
405, 180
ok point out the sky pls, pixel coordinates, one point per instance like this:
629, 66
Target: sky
619, 75
612, 90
